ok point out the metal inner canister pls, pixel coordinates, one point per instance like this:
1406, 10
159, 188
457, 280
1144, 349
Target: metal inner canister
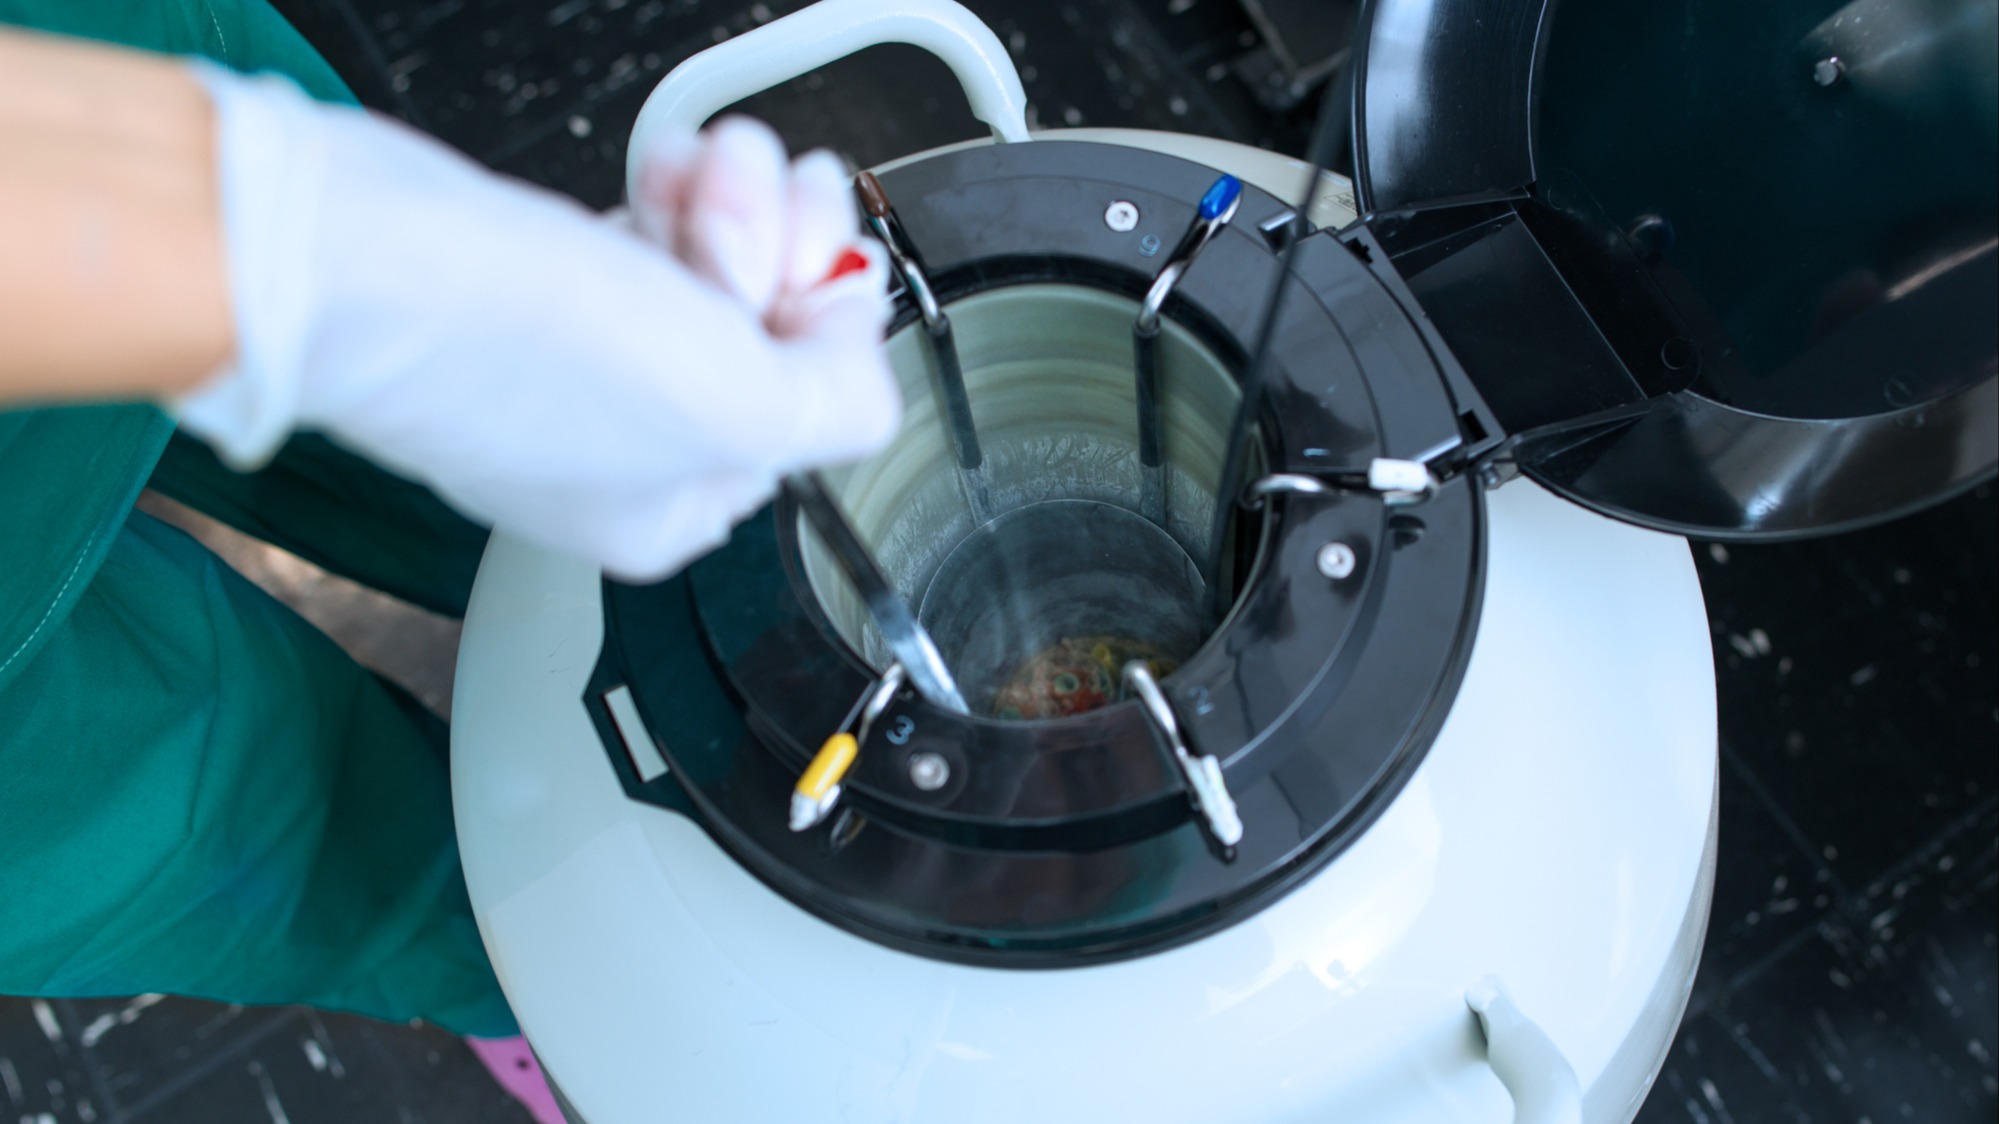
1037, 609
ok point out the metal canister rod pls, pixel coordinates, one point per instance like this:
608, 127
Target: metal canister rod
818, 788
1217, 206
1207, 790
943, 345
906, 637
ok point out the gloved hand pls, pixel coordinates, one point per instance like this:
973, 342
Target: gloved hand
726, 203
542, 368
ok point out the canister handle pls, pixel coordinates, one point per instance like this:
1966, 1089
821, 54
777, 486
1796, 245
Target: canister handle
1540, 1080
810, 38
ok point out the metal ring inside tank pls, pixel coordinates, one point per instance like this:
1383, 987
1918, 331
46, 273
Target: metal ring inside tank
1048, 367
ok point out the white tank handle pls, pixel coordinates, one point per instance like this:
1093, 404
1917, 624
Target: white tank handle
810, 38
1541, 1081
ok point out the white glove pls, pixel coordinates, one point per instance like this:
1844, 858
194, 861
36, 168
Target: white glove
727, 205
540, 367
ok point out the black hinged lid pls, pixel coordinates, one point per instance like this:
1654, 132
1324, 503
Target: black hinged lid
1723, 269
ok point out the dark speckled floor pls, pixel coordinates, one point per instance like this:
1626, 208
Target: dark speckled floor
1852, 965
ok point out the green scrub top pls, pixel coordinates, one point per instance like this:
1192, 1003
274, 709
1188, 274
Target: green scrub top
200, 794
69, 475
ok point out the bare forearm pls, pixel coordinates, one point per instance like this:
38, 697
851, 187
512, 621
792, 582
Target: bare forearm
112, 275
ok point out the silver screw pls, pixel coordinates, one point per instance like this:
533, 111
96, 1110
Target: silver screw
1121, 216
1336, 560
929, 771
1829, 70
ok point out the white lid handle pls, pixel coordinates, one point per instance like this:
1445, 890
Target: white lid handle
812, 37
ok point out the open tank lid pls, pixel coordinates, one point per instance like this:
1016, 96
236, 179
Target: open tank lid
1721, 269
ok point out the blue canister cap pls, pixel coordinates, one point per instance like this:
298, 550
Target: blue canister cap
1220, 197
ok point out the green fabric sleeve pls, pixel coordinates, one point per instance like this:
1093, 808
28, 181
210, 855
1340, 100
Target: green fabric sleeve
69, 475
199, 793
202, 795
